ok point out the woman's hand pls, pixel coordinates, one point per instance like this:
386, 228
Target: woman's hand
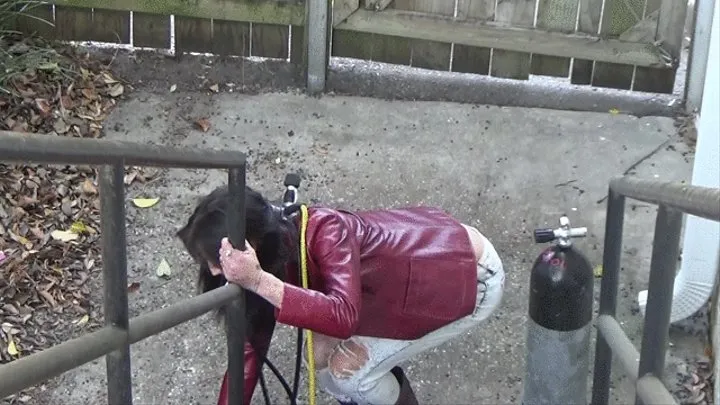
240, 266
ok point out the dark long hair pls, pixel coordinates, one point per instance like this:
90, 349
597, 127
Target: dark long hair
265, 227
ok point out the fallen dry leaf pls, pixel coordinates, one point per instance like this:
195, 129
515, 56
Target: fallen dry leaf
12, 348
43, 106
117, 90
64, 236
82, 321
203, 124
88, 187
163, 269
78, 228
145, 202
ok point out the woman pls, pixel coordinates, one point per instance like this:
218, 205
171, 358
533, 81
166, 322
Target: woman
384, 286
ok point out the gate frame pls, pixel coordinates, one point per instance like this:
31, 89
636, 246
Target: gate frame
114, 339
644, 368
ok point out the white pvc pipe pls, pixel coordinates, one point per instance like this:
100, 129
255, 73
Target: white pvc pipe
695, 281
698, 56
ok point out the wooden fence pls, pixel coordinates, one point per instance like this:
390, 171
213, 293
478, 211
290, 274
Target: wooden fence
623, 44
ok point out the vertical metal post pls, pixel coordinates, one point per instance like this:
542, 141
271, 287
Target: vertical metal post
114, 255
235, 311
608, 293
664, 261
317, 27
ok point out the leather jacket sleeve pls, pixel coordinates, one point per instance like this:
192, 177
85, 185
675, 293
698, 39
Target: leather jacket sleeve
333, 307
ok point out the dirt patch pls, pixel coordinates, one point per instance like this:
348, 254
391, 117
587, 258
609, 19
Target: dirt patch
158, 73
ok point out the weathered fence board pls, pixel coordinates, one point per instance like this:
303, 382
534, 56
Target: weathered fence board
38, 21
373, 47
73, 24
648, 79
151, 30
270, 41
353, 44
297, 45
556, 16
619, 16
264, 11
86, 24
511, 64
429, 54
482, 34
487, 38
588, 23
471, 59
192, 34
111, 26
230, 38
668, 20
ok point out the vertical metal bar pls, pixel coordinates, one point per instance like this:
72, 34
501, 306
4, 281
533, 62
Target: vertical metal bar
317, 44
608, 293
114, 255
664, 261
235, 311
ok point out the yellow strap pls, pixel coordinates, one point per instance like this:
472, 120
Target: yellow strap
308, 332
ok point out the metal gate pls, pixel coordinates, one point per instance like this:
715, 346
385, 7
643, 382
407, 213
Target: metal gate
113, 341
644, 368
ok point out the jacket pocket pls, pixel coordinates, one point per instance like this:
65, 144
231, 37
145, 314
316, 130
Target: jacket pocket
437, 288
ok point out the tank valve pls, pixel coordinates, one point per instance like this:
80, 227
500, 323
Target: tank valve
563, 234
292, 184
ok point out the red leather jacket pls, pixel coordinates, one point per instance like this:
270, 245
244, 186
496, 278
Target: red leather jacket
396, 274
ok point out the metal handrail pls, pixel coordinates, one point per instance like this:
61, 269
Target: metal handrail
120, 332
644, 367
25, 147
700, 201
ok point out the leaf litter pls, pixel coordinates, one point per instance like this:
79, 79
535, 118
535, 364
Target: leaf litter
49, 214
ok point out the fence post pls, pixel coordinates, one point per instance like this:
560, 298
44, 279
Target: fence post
114, 257
608, 293
318, 31
235, 311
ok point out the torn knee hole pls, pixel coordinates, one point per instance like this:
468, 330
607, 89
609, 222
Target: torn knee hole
347, 358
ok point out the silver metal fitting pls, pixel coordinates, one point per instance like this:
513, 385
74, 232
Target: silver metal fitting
565, 233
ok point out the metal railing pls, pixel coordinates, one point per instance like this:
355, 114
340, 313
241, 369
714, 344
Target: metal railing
644, 368
113, 341
119, 332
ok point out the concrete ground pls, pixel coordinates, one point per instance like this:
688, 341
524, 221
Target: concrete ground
504, 170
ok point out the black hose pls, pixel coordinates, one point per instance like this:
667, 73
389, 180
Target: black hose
263, 385
282, 382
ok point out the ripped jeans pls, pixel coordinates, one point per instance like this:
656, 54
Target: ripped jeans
373, 383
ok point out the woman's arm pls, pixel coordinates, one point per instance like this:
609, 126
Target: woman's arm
334, 310
242, 267
270, 287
